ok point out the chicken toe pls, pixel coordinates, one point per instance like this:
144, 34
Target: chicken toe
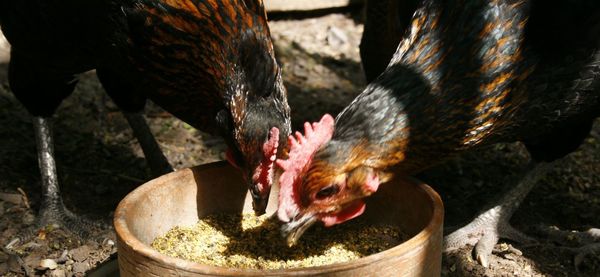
569, 238
53, 210
58, 215
581, 244
484, 232
493, 224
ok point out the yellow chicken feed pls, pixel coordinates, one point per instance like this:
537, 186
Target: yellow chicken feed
252, 242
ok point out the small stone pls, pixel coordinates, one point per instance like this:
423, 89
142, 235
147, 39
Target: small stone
63, 257
58, 273
109, 242
81, 253
336, 37
80, 267
48, 264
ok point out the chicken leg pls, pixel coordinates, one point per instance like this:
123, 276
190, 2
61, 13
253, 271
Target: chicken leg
53, 210
156, 159
493, 224
131, 101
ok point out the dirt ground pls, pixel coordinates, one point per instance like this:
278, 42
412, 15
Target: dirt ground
99, 162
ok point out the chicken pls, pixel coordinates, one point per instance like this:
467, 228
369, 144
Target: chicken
465, 75
385, 24
210, 63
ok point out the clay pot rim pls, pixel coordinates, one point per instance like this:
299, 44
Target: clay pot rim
125, 235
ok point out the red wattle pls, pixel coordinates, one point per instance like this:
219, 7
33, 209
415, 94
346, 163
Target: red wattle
350, 212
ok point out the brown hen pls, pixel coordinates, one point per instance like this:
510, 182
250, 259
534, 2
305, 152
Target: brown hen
465, 74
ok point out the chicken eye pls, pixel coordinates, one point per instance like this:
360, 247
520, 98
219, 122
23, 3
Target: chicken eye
327, 191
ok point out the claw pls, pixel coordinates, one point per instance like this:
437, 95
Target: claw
484, 247
484, 233
483, 260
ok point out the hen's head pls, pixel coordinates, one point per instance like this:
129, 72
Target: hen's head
317, 185
257, 120
254, 145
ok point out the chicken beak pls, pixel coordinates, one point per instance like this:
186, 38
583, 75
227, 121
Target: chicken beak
259, 202
294, 229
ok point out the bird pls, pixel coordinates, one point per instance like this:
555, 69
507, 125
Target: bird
465, 74
210, 63
384, 26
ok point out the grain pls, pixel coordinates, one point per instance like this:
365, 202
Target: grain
255, 242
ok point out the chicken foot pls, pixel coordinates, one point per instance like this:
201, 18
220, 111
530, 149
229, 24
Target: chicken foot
156, 159
588, 241
53, 210
493, 224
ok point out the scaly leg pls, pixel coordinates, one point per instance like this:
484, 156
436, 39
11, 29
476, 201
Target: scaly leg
53, 210
131, 101
156, 159
491, 225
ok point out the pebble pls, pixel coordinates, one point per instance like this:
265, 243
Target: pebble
80, 267
109, 242
81, 253
63, 257
336, 37
48, 264
58, 273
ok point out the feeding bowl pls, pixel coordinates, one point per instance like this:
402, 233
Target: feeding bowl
182, 197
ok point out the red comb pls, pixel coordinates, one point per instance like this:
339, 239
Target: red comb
263, 174
302, 149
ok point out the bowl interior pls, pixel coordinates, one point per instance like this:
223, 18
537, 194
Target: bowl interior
182, 197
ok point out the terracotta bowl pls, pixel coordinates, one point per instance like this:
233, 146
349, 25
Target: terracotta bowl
182, 197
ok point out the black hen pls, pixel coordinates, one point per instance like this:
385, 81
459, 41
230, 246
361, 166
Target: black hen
208, 62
